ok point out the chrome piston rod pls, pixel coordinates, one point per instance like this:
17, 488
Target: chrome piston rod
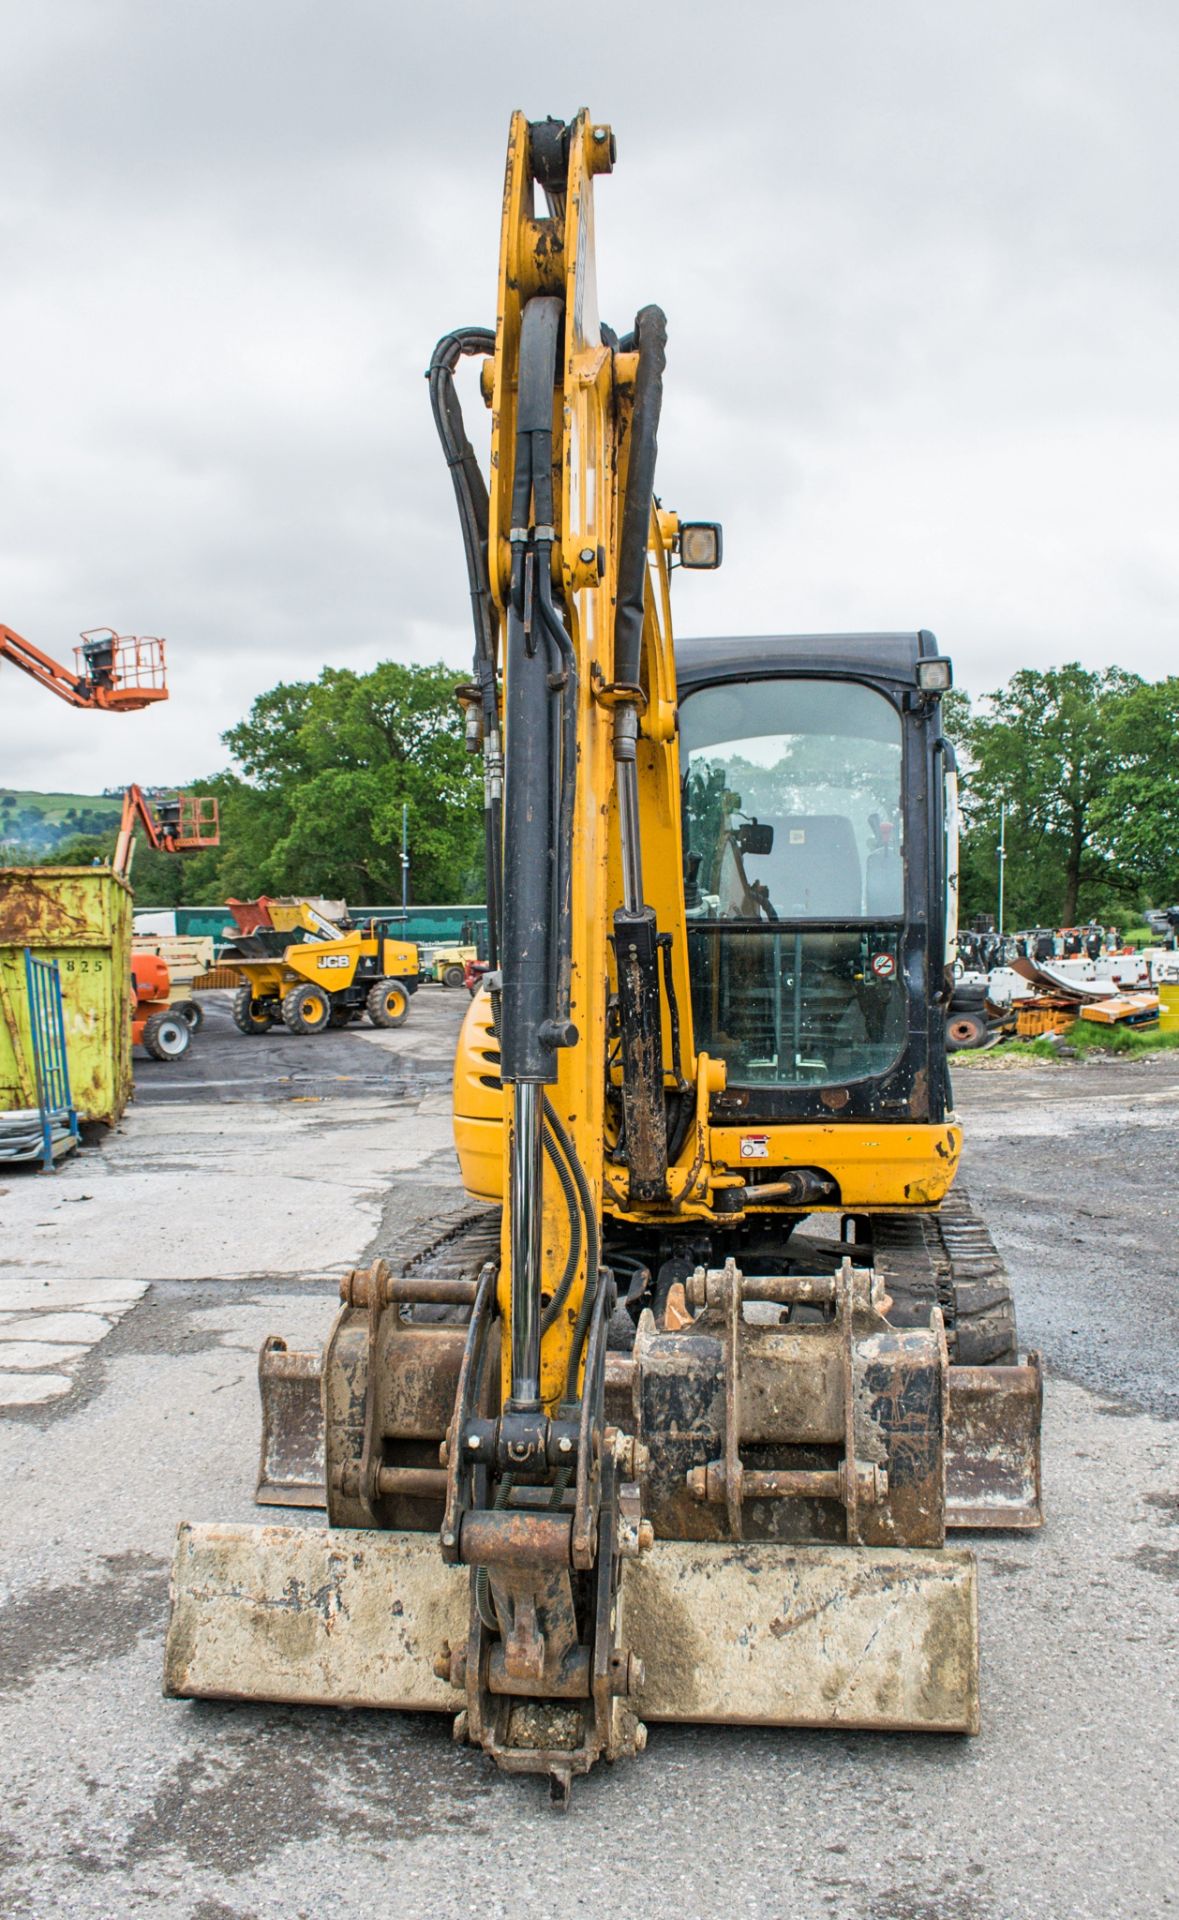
527, 1239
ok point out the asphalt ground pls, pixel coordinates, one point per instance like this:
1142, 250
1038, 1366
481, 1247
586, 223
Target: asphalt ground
116, 1802
346, 1063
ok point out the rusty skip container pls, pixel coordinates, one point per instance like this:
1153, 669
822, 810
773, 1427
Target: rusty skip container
80, 917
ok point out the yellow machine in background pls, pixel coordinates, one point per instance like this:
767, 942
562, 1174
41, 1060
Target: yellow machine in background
328, 979
679, 1435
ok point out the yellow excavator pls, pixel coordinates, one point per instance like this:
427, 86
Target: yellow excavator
672, 1424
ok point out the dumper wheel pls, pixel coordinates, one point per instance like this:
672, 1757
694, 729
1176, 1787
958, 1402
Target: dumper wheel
306, 1009
453, 977
966, 1028
250, 1015
388, 1004
167, 1035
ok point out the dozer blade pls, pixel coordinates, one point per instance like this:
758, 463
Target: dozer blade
291, 1469
993, 1446
765, 1635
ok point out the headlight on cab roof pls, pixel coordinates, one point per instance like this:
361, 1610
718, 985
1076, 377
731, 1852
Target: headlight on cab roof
935, 676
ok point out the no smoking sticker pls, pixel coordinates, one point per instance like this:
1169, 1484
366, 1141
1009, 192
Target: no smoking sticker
883, 966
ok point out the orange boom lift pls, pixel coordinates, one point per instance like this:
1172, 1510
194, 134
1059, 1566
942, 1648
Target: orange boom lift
115, 673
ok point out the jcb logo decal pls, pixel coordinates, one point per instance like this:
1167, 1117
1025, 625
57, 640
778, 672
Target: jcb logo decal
333, 960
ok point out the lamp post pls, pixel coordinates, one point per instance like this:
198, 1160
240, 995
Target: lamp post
405, 863
1002, 858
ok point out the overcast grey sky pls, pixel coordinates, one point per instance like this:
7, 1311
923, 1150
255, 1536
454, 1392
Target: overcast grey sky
918, 260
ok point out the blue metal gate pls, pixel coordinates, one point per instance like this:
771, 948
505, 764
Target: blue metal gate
59, 1118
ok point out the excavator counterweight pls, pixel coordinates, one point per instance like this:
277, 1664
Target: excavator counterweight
673, 1425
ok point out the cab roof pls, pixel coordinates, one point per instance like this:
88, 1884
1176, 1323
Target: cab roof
871, 656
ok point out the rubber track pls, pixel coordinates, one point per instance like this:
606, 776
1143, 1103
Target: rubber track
924, 1256
460, 1251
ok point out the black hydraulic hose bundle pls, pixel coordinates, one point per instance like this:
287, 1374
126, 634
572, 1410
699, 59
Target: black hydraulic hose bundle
470, 492
572, 1209
593, 1248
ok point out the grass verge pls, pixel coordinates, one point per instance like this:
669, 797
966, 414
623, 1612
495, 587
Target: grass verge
1083, 1040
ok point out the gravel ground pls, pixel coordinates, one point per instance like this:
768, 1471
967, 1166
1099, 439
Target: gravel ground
118, 1803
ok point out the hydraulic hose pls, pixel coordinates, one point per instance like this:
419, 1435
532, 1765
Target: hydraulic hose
529, 1033
593, 1249
470, 494
567, 782
530, 879
573, 1210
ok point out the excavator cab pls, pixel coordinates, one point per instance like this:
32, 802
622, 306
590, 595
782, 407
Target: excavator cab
815, 873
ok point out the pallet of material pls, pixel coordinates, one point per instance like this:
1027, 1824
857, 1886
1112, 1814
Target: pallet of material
186, 956
1124, 1009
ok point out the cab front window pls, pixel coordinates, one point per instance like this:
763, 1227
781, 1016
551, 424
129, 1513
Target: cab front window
794, 878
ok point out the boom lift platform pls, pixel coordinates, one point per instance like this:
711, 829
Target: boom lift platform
673, 1425
173, 823
115, 673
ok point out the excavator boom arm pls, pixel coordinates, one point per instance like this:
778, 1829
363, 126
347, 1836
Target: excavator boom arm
47, 672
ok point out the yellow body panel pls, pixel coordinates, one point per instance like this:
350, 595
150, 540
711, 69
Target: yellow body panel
331, 964
880, 1166
480, 1105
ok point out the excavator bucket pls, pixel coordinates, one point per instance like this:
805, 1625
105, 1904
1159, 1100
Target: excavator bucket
729, 1630
993, 1421
291, 1468
993, 1446
836, 1636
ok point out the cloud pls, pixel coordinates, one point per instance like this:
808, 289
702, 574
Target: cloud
918, 263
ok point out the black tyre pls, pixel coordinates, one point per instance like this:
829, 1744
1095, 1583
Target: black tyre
967, 993
965, 1029
250, 1015
167, 1035
344, 1016
453, 976
306, 1009
193, 1012
388, 1004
